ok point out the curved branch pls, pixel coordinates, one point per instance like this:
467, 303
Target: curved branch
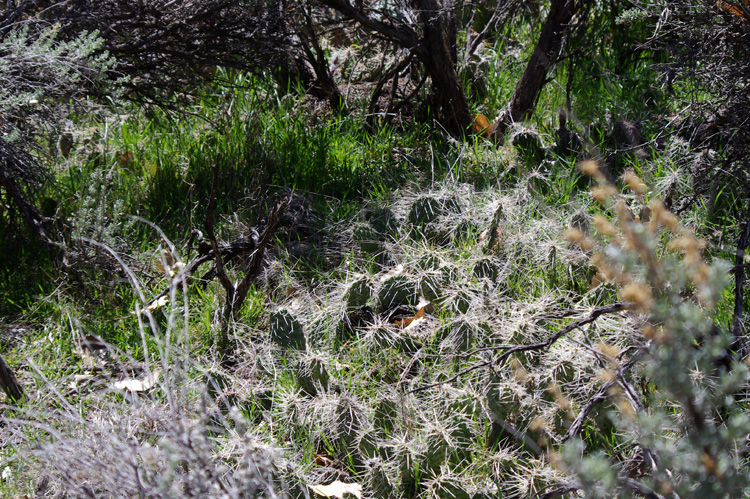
406, 37
511, 349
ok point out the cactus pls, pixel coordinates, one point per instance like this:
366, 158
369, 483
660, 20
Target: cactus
486, 268
311, 375
397, 290
428, 209
386, 414
380, 485
358, 293
383, 222
287, 331
368, 239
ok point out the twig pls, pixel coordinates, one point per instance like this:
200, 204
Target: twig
229, 251
561, 490
256, 260
600, 396
392, 72
738, 330
595, 314
208, 225
538, 319
603, 394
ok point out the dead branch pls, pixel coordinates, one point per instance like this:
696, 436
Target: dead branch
738, 330
256, 260
392, 72
9, 382
236, 295
600, 396
21, 177
511, 349
209, 226
649, 456
561, 490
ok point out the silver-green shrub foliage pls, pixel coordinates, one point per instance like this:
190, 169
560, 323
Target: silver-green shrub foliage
691, 435
37, 68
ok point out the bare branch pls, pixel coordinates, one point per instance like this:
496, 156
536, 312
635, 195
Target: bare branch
209, 227
600, 396
738, 330
405, 36
595, 314
256, 260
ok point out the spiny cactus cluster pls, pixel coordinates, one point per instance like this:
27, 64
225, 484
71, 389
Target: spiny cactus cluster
458, 366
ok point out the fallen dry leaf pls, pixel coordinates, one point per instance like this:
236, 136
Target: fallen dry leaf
338, 489
138, 385
481, 125
427, 308
125, 159
325, 461
168, 264
403, 323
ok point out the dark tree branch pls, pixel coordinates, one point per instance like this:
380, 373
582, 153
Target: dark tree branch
600, 396
226, 283
511, 349
20, 178
534, 77
209, 228
392, 72
229, 252
403, 35
435, 49
560, 490
9, 382
319, 63
256, 260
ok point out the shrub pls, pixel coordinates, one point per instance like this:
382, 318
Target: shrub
688, 438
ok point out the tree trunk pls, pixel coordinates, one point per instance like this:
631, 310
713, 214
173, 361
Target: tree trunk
527, 91
438, 53
435, 48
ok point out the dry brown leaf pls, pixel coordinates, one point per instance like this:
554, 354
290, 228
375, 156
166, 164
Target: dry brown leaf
481, 125
168, 264
125, 159
338, 489
427, 308
324, 461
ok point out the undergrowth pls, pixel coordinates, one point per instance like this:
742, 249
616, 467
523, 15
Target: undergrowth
396, 336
